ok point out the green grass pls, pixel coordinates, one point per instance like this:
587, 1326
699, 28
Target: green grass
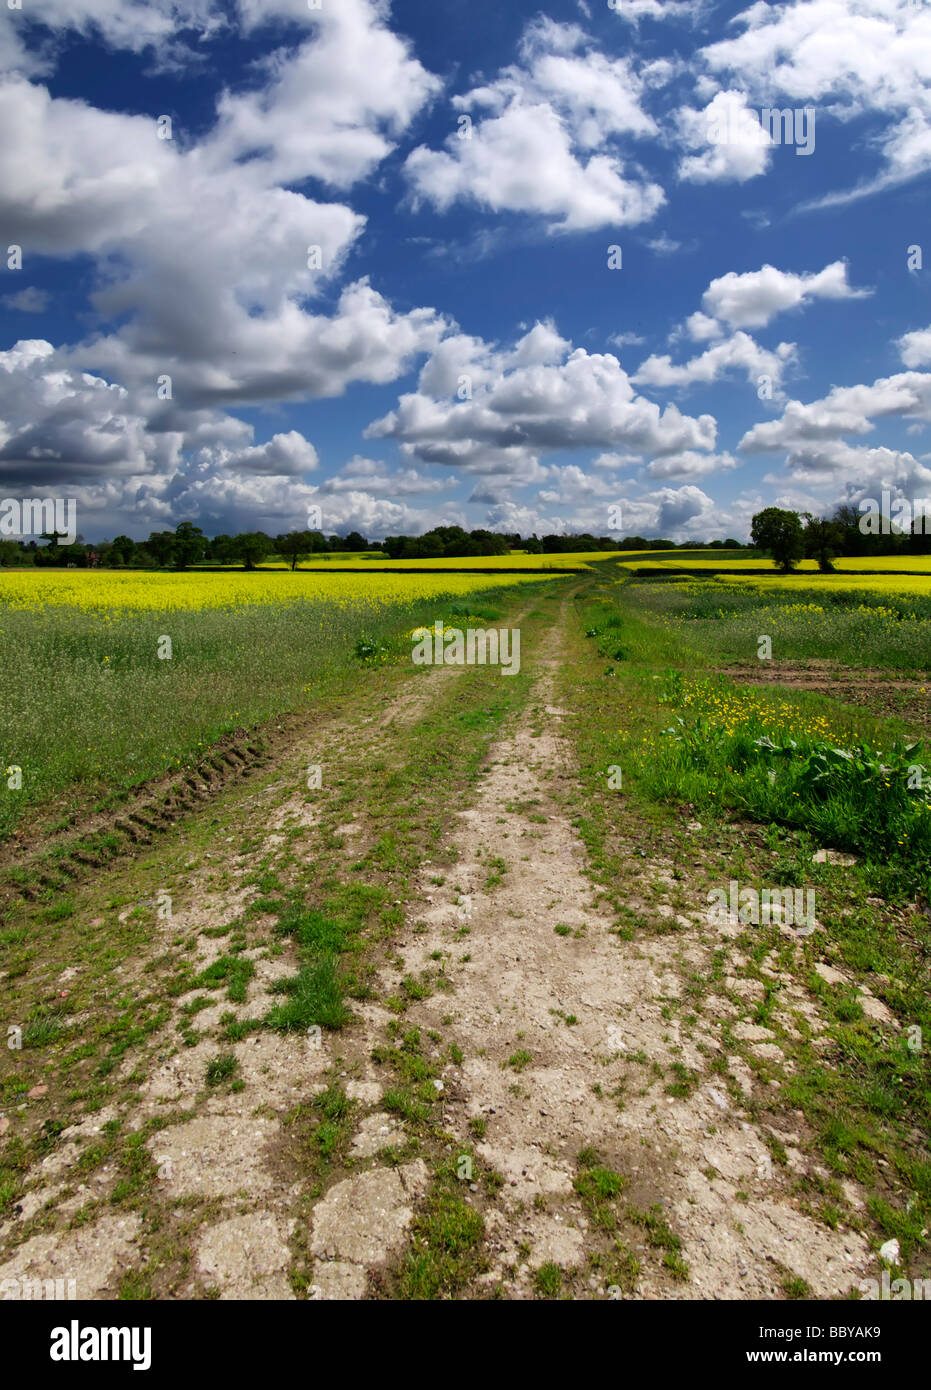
314, 998
599, 1187
233, 971
853, 627
757, 755
221, 1069
795, 1287
316, 995
547, 1280
520, 1059
317, 1137
130, 717
43, 1028
446, 1247
660, 1236
789, 757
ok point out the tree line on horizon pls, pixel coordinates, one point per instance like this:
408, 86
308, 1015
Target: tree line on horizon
786, 536
187, 545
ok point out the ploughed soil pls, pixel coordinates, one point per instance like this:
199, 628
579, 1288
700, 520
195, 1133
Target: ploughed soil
908, 697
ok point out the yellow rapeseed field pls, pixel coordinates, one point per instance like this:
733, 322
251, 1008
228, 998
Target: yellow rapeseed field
880, 574
516, 561
724, 559
191, 590
874, 583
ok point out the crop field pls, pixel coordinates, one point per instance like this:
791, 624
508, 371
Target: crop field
514, 562
304, 939
193, 591
850, 583
857, 625
236, 648
735, 561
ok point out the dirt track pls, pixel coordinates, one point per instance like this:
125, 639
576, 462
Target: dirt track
544, 1035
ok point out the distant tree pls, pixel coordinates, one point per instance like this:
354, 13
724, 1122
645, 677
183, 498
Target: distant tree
251, 547
51, 554
190, 544
220, 549
779, 533
823, 540
121, 550
918, 541
10, 553
427, 547
293, 545
855, 541
449, 541
533, 546
161, 546
847, 520
489, 543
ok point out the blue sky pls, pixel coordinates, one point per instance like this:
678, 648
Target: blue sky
461, 350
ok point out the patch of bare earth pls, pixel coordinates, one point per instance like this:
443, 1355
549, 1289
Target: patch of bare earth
877, 691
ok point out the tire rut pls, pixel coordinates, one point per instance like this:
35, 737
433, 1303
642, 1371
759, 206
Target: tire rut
218, 1148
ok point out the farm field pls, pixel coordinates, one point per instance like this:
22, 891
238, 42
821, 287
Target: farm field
515, 561
736, 561
867, 581
860, 625
891, 576
194, 590
410, 979
147, 670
